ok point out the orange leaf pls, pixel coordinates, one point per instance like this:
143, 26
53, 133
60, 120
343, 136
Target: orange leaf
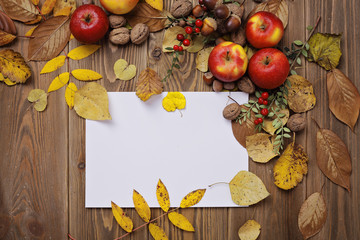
48, 6
64, 11
148, 84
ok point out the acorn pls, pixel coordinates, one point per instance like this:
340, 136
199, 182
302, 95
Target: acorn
198, 11
233, 23
209, 26
222, 12
208, 78
212, 4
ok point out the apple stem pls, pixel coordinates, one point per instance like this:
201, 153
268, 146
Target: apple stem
267, 60
227, 56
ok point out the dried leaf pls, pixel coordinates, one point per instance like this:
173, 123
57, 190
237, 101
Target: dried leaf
278, 7
268, 122
312, 215
50, 38
180, 221
36, 20
247, 189
196, 44
141, 206
70, 94
59, 82
47, 7
291, 167
7, 29
246, 128
173, 101
202, 59
83, 51
92, 102
35, 2
260, 147
250, 230
121, 217
21, 10
344, 98
123, 70
6, 80
13, 66
157, 232
170, 38
148, 84
162, 196
6, 38
30, 32
325, 50
39, 97
157, 4
63, 12
301, 96
61, 4
53, 64
192, 198
86, 75
144, 13
333, 157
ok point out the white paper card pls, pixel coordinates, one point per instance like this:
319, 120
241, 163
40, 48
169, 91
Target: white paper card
143, 142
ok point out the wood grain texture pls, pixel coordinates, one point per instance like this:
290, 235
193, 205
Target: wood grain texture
42, 155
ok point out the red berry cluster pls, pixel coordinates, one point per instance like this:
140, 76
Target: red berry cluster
201, 2
263, 101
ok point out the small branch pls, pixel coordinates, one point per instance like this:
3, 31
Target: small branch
71, 237
217, 184
40, 12
233, 100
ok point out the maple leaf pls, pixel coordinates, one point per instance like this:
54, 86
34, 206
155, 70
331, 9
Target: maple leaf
149, 83
13, 66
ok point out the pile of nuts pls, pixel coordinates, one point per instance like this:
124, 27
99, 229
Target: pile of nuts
121, 35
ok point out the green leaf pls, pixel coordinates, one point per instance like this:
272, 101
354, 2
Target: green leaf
255, 110
278, 138
251, 101
287, 129
298, 61
309, 28
243, 110
278, 125
247, 105
177, 66
293, 72
288, 83
287, 135
257, 94
307, 46
260, 116
285, 101
298, 42
169, 48
271, 114
281, 115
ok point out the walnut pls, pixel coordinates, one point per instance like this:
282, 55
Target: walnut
236, 9
117, 21
231, 111
239, 37
296, 122
181, 8
139, 33
217, 86
120, 36
246, 85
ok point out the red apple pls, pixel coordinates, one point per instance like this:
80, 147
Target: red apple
264, 30
228, 62
119, 6
268, 68
89, 23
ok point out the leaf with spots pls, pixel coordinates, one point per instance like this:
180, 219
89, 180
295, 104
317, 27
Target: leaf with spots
83, 51
141, 206
85, 75
301, 96
61, 4
122, 219
53, 64
260, 147
157, 232
192, 198
59, 82
250, 230
69, 94
162, 196
180, 221
6, 80
333, 157
13, 66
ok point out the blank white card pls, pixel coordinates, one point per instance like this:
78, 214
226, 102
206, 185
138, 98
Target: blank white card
143, 143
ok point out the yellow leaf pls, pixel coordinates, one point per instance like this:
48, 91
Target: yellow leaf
123, 70
2, 78
148, 84
291, 167
86, 75
92, 102
36, 20
59, 82
64, 11
192, 198
250, 230
162, 196
157, 4
202, 59
122, 219
6, 38
35, 2
61, 4
6, 80
269, 125
180, 221
13, 66
71, 37
247, 189
83, 51
173, 101
301, 96
196, 44
141, 206
260, 147
30, 32
69, 94
47, 7
157, 232
38, 96
53, 64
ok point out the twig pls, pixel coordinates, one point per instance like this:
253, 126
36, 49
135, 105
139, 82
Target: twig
211, 185
71, 237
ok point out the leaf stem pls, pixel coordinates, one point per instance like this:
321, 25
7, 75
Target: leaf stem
211, 185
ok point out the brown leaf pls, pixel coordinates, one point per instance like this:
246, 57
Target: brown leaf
6, 24
50, 38
148, 84
36, 20
13, 66
144, 13
21, 10
247, 128
333, 157
6, 38
278, 7
312, 215
301, 96
344, 98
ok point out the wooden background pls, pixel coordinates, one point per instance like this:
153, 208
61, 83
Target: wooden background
42, 155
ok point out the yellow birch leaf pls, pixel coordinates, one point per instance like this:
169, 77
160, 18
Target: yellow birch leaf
61, 4
83, 51
202, 59
247, 189
157, 232
47, 7
122, 219
35, 2
63, 12
173, 101
39, 97
69, 94
260, 147
162, 196
53, 64
301, 96
59, 82
192, 198
13, 66
141, 206
148, 84
92, 102
250, 230
157, 4
86, 75
30, 32
291, 167
123, 70
181, 221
